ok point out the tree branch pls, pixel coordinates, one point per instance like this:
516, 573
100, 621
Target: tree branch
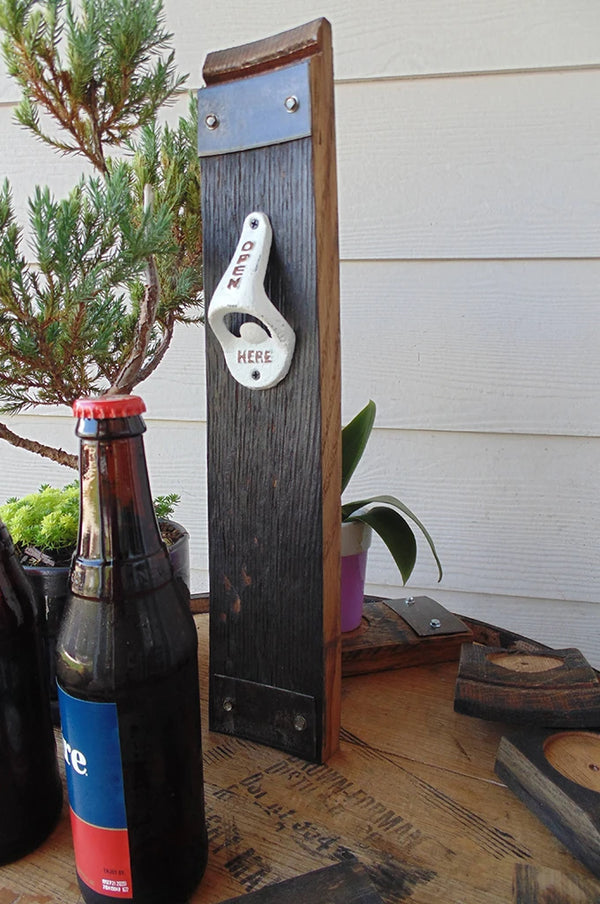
57, 455
128, 376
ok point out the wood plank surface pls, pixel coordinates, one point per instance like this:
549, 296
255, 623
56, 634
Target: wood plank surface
486, 500
405, 39
511, 549
538, 885
484, 346
397, 39
502, 166
274, 457
411, 793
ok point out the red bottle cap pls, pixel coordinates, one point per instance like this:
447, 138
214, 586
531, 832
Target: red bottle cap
104, 407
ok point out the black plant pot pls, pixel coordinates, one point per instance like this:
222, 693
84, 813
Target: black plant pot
51, 586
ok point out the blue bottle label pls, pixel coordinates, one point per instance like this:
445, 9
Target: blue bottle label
94, 770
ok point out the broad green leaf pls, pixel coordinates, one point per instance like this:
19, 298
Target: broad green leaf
355, 436
350, 512
395, 533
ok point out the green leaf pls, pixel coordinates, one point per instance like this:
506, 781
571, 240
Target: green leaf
355, 436
396, 533
351, 512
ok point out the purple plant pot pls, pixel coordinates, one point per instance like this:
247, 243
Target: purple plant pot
356, 539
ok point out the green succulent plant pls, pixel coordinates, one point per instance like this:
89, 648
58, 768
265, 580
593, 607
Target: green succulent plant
49, 519
384, 514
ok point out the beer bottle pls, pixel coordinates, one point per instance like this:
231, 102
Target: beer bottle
127, 675
30, 786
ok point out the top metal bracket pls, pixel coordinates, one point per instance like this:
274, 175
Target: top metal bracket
427, 617
255, 112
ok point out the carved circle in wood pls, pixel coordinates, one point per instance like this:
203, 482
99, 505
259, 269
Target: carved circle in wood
525, 662
576, 755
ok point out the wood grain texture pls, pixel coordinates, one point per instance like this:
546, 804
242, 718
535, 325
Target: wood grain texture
544, 885
570, 810
267, 53
411, 793
274, 456
384, 640
528, 688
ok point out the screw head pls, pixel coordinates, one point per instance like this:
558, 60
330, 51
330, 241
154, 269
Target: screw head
409, 601
211, 121
300, 722
435, 623
227, 705
254, 223
291, 103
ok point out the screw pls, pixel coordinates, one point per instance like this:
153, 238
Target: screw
435, 623
227, 705
409, 601
254, 224
255, 374
211, 120
291, 103
299, 722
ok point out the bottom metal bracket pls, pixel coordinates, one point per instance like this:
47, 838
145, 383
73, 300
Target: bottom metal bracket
269, 715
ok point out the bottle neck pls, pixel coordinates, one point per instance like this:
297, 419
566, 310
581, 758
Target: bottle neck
118, 531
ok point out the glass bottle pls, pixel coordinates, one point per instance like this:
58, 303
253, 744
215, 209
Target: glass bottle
30, 786
127, 674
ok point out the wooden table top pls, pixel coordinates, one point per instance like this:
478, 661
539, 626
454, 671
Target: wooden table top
411, 793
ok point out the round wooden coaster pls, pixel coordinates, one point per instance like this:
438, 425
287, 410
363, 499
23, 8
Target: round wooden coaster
576, 755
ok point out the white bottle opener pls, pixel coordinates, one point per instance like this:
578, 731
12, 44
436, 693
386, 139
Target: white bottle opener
261, 355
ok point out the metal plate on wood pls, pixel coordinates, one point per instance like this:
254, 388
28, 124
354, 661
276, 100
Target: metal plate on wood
254, 112
427, 617
269, 715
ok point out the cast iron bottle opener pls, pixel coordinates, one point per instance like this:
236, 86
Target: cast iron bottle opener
261, 355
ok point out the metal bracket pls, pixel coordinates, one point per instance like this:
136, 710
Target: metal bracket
427, 617
255, 112
270, 715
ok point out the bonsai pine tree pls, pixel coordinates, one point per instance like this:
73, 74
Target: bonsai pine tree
90, 302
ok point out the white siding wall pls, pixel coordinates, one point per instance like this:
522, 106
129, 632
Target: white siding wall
468, 135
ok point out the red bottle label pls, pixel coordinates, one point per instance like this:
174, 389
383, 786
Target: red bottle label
96, 796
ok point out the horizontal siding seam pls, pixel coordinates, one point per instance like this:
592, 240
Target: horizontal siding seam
470, 73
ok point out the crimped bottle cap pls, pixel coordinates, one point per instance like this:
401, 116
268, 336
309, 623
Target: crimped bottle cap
105, 407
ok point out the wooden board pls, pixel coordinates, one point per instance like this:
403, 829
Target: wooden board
384, 640
274, 456
557, 776
554, 688
544, 885
411, 793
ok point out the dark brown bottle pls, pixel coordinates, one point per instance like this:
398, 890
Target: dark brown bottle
127, 677
30, 786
